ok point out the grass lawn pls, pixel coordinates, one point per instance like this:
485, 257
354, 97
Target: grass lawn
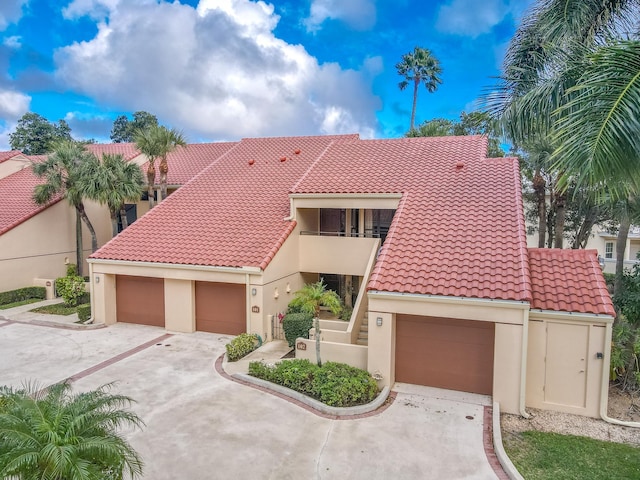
22, 302
57, 309
542, 456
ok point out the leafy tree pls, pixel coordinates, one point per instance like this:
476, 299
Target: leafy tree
419, 66
157, 142
35, 135
63, 174
123, 130
309, 299
55, 434
113, 182
472, 123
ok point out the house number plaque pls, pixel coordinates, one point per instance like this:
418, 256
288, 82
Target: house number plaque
255, 309
301, 346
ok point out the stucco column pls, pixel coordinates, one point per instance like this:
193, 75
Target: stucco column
179, 305
382, 347
103, 298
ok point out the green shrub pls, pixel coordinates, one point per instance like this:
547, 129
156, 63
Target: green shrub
71, 289
335, 384
346, 312
84, 312
242, 345
22, 294
342, 385
625, 354
296, 325
72, 270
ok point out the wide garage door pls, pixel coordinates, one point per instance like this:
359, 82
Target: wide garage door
221, 308
140, 300
445, 353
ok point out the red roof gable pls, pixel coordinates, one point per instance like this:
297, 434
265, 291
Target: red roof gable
7, 155
186, 162
230, 215
459, 229
16, 192
568, 281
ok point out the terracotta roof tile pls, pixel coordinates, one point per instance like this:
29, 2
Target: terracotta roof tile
231, 214
127, 150
459, 228
568, 281
186, 162
10, 154
16, 203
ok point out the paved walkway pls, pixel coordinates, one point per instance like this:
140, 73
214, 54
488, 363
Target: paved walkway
23, 314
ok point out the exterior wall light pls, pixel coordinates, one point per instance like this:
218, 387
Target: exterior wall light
276, 294
97, 279
379, 321
254, 292
288, 290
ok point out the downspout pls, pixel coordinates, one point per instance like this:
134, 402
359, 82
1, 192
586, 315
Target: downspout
91, 294
247, 294
604, 388
523, 365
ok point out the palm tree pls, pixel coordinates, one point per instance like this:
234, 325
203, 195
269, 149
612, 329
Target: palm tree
310, 298
157, 142
113, 181
57, 435
419, 66
63, 176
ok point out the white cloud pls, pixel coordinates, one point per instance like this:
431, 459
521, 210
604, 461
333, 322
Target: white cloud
15, 42
472, 18
96, 9
216, 71
10, 12
12, 106
358, 14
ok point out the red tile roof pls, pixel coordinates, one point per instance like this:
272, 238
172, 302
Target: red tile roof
568, 281
7, 155
459, 229
127, 150
186, 162
230, 215
16, 203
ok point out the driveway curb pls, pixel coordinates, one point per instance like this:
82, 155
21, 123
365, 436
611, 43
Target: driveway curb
313, 406
507, 465
53, 324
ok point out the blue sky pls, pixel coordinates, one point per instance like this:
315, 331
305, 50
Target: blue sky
226, 69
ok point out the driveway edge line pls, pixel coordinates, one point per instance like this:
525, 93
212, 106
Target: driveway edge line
390, 399
117, 358
493, 445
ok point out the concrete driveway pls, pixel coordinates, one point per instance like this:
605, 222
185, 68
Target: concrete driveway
203, 426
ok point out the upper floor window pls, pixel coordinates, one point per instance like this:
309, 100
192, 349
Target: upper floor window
608, 250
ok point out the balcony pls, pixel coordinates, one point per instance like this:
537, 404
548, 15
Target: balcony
335, 253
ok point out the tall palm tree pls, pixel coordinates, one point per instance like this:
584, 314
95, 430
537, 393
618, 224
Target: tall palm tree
419, 66
63, 176
55, 434
310, 298
157, 142
113, 182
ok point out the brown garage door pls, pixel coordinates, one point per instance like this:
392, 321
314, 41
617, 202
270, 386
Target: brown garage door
445, 353
140, 300
220, 308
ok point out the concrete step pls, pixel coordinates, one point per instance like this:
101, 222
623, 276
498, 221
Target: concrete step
362, 342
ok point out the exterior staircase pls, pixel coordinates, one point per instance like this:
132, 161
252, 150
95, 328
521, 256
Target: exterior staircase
363, 334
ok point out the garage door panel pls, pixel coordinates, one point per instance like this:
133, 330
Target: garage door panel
221, 307
445, 353
140, 300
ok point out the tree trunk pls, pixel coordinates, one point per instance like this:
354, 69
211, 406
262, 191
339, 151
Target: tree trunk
416, 84
582, 237
540, 189
87, 222
561, 203
79, 249
164, 168
151, 181
621, 246
123, 217
114, 222
317, 325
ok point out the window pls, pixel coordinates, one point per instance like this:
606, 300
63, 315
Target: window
608, 250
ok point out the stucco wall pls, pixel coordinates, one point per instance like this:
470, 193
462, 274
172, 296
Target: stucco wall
354, 355
38, 247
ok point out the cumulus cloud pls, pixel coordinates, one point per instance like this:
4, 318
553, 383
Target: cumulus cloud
472, 18
96, 9
13, 105
13, 42
217, 71
10, 12
85, 126
358, 14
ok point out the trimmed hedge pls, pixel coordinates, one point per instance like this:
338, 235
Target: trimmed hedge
71, 289
22, 294
84, 312
242, 345
296, 325
334, 384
